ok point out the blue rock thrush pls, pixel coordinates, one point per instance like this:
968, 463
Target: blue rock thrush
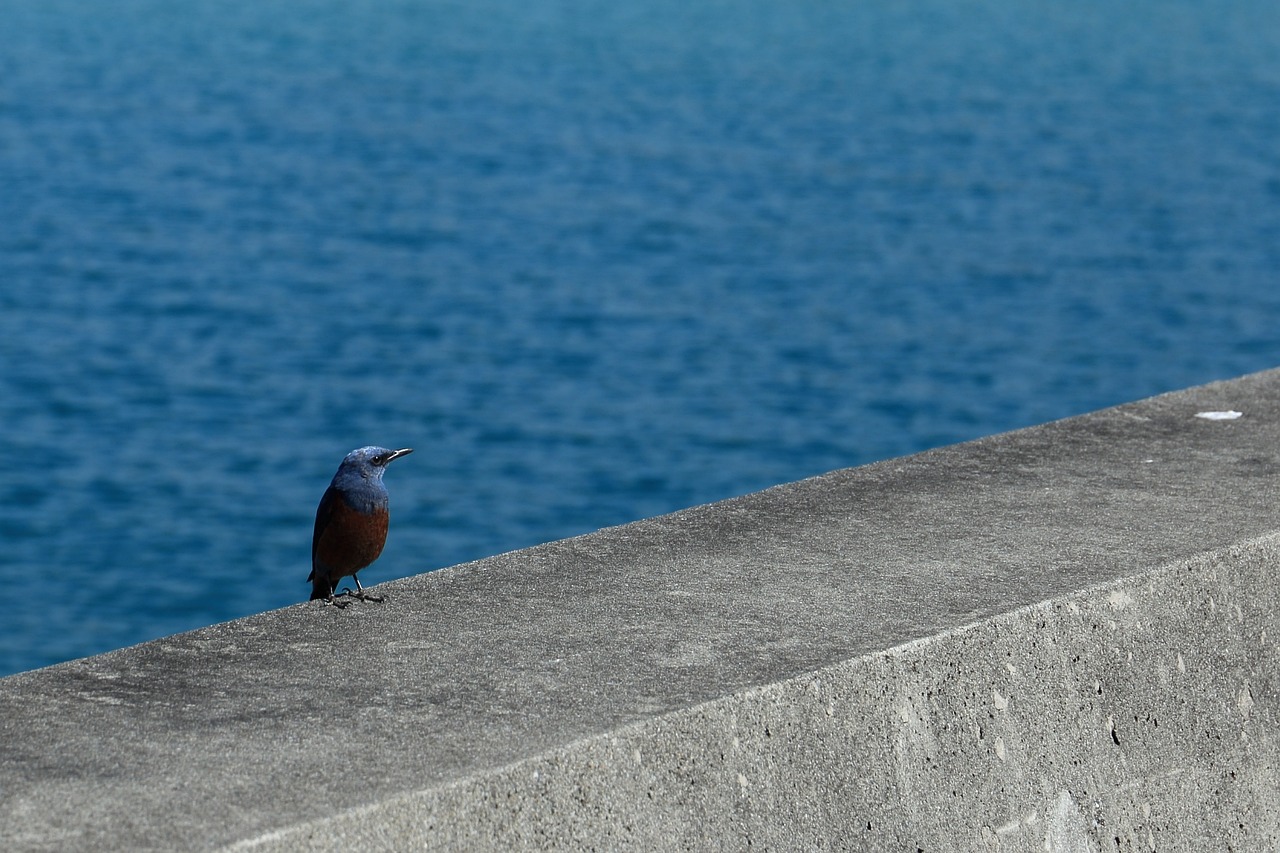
351, 522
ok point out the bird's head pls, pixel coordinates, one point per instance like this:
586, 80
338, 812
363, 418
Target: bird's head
370, 462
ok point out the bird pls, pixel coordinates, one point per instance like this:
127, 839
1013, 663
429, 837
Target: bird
351, 522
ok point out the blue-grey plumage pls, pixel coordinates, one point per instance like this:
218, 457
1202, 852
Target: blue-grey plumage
351, 521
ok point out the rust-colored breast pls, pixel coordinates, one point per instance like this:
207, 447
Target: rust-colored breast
348, 540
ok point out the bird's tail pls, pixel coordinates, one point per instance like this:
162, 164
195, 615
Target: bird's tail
319, 586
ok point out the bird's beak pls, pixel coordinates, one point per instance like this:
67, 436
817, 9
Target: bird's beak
398, 453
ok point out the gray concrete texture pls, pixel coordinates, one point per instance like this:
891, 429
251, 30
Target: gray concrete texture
1060, 638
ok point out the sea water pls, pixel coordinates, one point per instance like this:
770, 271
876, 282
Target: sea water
594, 261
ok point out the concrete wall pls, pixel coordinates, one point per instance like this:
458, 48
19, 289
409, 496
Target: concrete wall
1061, 638
1137, 715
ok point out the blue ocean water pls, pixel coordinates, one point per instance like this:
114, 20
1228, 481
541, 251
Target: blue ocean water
594, 261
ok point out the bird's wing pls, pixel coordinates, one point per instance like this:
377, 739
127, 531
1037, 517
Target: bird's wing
324, 512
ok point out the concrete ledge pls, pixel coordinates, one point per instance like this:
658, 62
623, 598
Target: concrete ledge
1061, 638
1137, 715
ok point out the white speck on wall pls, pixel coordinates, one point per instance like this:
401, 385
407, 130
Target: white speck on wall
1010, 827
1244, 700
1119, 599
1219, 416
999, 701
1066, 830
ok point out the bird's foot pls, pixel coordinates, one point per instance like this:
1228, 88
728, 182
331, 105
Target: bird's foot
361, 595
334, 601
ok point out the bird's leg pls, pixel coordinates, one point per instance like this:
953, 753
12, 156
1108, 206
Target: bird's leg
357, 593
331, 599
361, 594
